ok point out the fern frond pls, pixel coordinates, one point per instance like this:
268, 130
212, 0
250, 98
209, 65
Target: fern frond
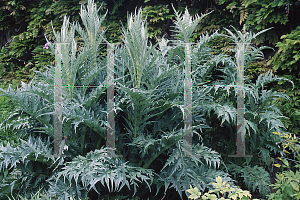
243, 15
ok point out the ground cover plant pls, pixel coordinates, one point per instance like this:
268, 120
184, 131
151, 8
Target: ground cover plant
148, 113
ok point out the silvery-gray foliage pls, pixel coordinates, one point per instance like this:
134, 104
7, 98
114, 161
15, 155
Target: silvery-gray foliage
148, 113
180, 171
112, 173
185, 24
33, 110
34, 164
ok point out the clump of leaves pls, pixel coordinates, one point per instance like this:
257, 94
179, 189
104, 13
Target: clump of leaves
288, 55
258, 15
6, 107
286, 62
41, 195
111, 172
287, 185
291, 143
253, 177
157, 16
287, 182
26, 165
222, 190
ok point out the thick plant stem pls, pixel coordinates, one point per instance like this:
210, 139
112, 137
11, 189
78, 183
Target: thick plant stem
57, 99
240, 101
188, 100
110, 142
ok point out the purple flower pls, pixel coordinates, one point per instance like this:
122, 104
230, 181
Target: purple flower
46, 46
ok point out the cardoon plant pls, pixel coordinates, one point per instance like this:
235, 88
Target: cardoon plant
149, 108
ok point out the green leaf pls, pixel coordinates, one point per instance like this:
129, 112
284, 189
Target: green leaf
289, 190
285, 162
295, 186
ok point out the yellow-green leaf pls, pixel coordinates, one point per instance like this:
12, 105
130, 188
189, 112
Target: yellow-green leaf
295, 186
219, 179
